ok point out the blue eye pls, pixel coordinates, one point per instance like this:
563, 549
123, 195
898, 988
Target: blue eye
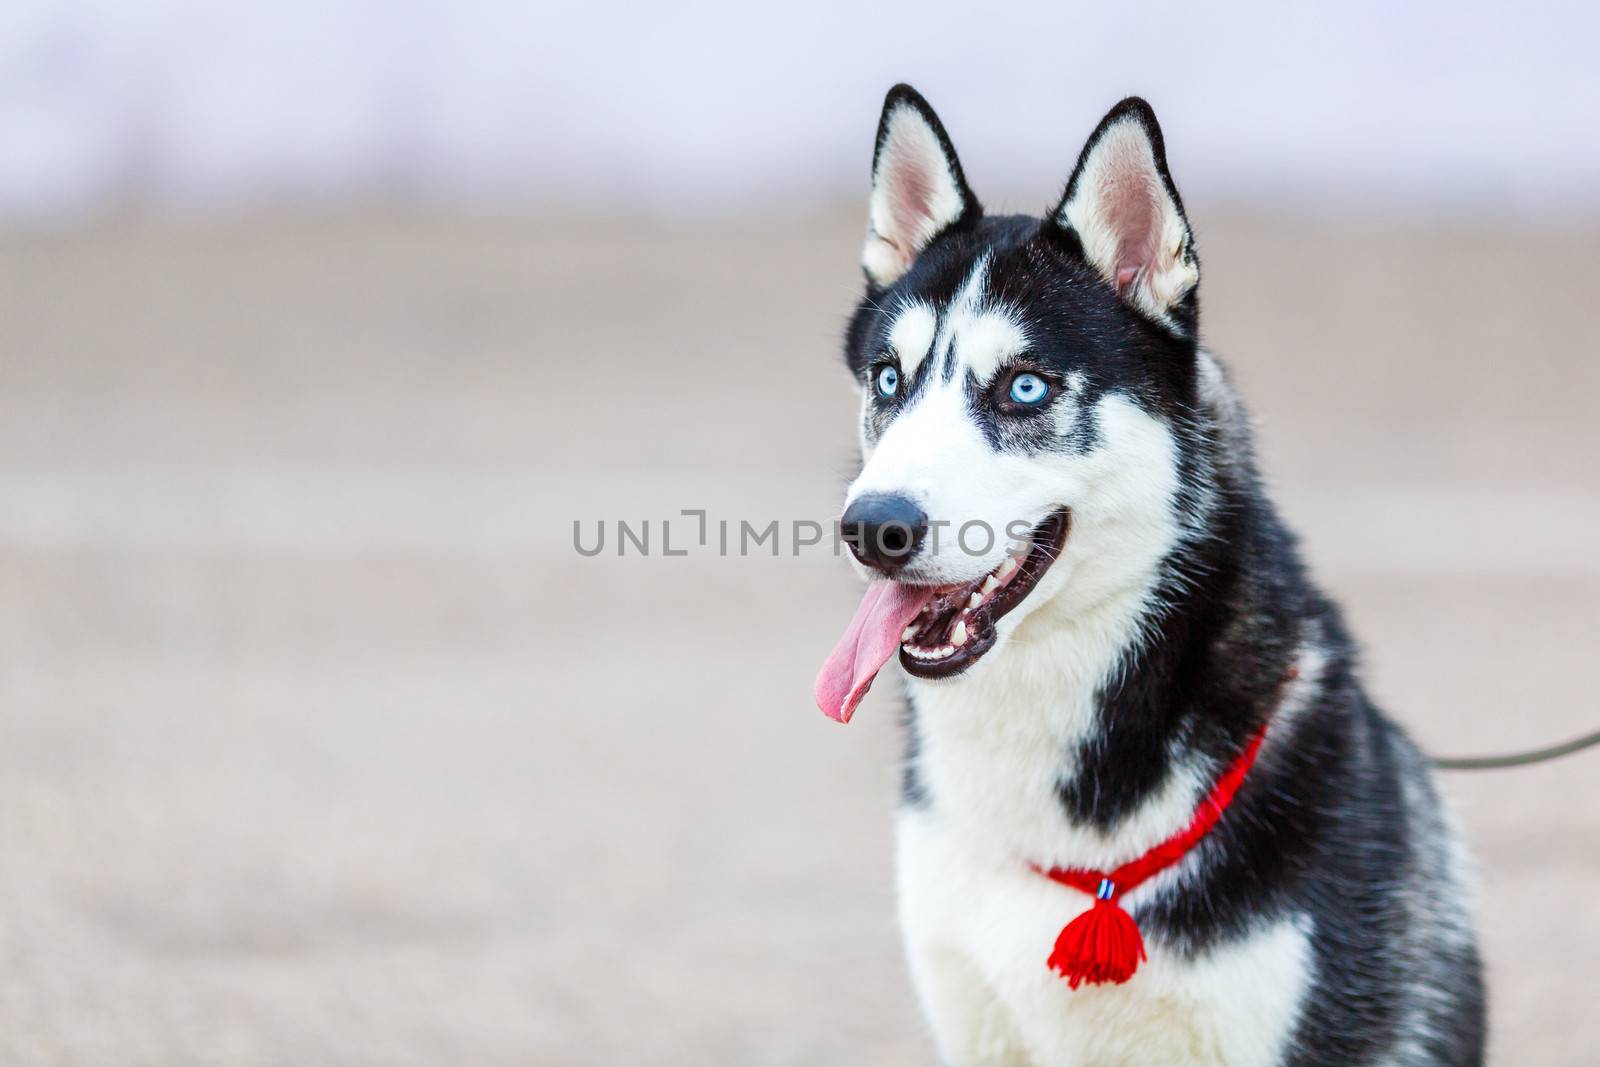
888, 381
1029, 389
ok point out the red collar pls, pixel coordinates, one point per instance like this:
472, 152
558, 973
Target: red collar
1103, 944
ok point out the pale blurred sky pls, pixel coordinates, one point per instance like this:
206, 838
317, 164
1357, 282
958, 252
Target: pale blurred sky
727, 108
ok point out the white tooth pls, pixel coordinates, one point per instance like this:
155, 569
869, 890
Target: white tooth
958, 636
947, 650
991, 583
977, 598
1006, 567
911, 631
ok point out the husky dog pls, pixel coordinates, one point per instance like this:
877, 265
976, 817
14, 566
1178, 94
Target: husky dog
1100, 617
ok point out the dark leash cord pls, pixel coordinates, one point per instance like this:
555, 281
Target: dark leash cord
1518, 759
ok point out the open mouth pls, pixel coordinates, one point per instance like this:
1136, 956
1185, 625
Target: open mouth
957, 626
938, 631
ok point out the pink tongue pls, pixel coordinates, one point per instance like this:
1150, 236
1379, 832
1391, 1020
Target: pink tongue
871, 638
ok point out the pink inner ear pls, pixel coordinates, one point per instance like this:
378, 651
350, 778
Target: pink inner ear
1133, 208
910, 187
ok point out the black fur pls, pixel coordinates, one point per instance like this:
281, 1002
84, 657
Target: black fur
1338, 822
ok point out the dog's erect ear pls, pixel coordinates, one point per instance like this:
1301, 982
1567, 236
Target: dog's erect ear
918, 189
1125, 212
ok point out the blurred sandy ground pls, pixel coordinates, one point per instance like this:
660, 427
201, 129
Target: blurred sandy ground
319, 743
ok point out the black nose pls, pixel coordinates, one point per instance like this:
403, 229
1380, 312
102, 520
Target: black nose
883, 531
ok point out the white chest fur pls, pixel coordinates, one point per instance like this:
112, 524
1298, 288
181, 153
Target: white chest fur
978, 931
979, 924
993, 748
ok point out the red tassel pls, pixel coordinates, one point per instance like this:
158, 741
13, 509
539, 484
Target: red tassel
1101, 945
1104, 944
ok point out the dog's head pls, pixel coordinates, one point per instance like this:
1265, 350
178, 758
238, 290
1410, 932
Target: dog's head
1025, 387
